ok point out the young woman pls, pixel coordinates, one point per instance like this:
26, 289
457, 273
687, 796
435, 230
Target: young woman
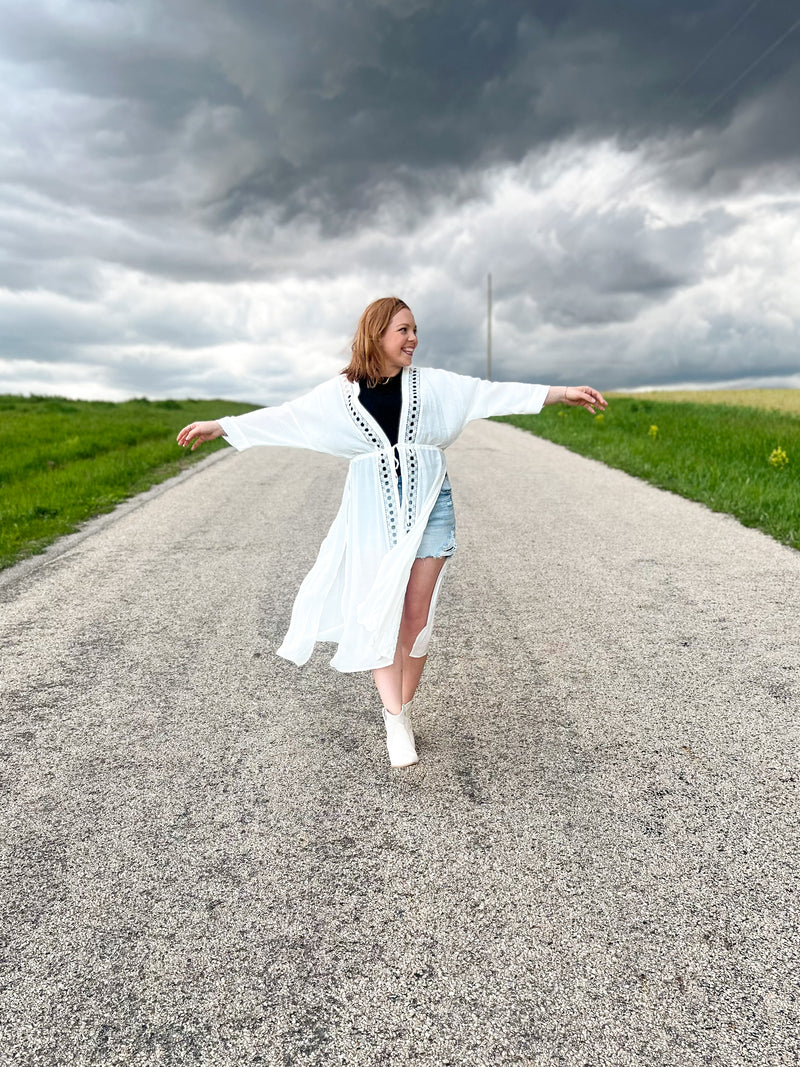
374, 586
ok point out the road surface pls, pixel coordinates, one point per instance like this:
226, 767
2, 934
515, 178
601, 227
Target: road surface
210, 861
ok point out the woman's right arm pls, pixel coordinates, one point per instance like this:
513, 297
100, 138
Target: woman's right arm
310, 421
197, 433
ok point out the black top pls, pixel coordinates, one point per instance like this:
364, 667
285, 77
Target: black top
384, 402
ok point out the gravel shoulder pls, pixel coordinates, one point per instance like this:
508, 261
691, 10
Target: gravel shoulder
209, 861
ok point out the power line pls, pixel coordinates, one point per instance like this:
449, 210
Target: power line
712, 50
752, 66
721, 96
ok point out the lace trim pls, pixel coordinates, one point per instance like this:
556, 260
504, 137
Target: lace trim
385, 464
414, 406
410, 494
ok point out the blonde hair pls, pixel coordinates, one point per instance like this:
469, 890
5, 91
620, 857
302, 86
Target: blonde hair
367, 358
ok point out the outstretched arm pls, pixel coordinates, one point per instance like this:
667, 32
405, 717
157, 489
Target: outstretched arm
482, 398
197, 433
576, 396
310, 421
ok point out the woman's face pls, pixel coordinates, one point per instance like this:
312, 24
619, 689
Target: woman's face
398, 342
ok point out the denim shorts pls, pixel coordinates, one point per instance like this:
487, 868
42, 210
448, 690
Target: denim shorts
439, 537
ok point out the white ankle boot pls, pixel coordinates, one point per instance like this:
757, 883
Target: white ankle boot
400, 737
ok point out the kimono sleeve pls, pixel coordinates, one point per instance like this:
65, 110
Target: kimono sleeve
482, 399
302, 423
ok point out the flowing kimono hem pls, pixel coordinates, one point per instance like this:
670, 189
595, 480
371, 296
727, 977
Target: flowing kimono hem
300, 658
342, 668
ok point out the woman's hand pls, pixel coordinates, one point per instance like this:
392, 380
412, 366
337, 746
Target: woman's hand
198, 433
576, 396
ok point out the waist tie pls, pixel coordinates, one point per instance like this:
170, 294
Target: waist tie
395, 451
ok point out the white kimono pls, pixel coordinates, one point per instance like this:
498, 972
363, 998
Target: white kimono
354, 593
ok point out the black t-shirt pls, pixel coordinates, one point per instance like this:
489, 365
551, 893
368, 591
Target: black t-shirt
384, 402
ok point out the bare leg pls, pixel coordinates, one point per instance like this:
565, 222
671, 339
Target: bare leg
398, 683
389, 681
424, 575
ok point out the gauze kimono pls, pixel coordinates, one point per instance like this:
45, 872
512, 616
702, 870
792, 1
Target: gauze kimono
354, 593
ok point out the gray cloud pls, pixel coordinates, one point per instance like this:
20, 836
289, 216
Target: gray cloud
192, 178
446, 85
309, 108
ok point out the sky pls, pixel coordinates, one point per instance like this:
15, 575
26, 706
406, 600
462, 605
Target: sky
198, 199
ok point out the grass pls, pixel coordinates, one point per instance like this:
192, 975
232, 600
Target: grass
717, 454
64, 461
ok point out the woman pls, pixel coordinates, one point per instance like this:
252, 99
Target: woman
374, 586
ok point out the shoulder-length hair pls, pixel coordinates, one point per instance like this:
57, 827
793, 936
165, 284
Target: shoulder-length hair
367, 357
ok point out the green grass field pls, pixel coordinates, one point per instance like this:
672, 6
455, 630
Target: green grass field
741, 460
63, 461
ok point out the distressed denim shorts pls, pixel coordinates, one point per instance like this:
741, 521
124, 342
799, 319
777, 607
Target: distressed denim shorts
439, 538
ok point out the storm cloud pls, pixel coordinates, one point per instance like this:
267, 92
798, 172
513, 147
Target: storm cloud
199, 199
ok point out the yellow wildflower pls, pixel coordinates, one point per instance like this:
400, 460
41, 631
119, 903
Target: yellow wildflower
778, 458
653, 431
600, 418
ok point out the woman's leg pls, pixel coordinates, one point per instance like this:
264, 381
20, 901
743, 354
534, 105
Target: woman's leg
398, 683
424, 575
389, 681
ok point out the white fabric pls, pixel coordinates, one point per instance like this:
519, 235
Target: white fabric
354, 593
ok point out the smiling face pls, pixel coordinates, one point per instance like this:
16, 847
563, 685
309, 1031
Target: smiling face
398, 342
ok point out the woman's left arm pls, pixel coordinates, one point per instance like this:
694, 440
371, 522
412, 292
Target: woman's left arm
576, 396
481, 399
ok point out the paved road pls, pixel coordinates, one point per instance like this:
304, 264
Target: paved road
595, 863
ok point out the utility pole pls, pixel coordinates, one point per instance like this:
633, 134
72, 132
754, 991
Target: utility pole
489, 328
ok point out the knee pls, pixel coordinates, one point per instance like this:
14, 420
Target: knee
415, 618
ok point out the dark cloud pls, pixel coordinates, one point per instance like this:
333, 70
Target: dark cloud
169, 167
313, 107
367, 93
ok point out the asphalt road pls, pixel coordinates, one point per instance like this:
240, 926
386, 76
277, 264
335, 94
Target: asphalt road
208, 860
